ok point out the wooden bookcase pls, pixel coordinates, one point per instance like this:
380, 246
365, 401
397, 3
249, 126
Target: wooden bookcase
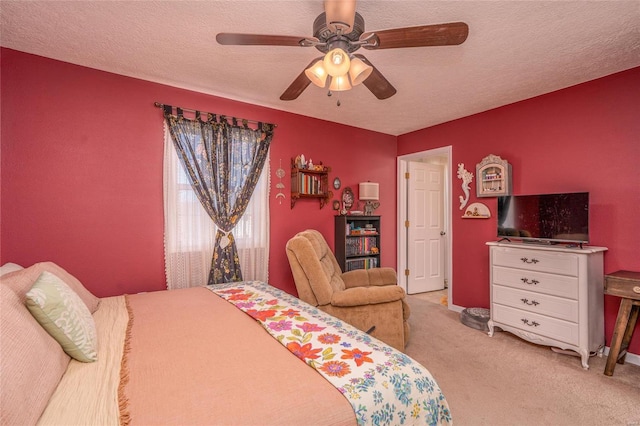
357, 242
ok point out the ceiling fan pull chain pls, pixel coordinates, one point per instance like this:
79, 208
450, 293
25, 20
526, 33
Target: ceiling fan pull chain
330, 93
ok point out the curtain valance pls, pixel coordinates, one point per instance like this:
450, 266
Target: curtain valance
208, 117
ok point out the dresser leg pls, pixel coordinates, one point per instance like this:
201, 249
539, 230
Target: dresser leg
491, 328
584, 356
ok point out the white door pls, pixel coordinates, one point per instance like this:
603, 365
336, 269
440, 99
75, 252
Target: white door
425, 233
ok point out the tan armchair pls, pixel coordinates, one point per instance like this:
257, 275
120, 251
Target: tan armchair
368, 299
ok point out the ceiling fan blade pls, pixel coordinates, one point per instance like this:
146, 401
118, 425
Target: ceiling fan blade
421, 36
376, 83
262, 40
296, 88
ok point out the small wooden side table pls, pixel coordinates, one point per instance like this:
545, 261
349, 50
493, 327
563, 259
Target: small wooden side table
624, 284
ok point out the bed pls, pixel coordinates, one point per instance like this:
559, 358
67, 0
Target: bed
239, 353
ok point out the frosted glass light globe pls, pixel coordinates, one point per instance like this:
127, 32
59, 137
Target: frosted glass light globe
336, 62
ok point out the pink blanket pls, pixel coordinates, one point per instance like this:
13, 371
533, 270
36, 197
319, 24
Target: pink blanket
194, 359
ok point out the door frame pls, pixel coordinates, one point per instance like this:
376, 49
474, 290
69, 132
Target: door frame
402, 167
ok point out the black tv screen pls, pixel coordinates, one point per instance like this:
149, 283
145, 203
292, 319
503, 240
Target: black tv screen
545, 217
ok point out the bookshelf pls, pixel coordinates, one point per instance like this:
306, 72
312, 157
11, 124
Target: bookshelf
357, 242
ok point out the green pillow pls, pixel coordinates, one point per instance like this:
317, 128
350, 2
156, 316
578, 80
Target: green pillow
61, 312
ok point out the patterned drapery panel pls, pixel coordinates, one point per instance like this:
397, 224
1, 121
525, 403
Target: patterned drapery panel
223, 162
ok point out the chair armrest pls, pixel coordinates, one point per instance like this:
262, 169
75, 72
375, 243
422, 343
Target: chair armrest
370, 277
359, 296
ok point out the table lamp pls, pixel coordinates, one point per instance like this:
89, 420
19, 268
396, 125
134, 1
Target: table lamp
369, 192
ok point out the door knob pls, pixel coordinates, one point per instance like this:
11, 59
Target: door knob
442, 233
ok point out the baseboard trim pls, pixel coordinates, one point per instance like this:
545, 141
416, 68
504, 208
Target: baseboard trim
456, 308
630, 358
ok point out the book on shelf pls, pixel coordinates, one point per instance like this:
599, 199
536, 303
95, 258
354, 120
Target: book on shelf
359, 246
361, 263
362, 231
310, 184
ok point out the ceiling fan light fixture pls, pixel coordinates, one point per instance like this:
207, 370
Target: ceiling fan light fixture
338, 32
359, 71
316, 73
336, 62
340, 15
340, 83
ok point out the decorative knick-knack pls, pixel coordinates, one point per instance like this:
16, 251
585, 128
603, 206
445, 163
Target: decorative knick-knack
466, 177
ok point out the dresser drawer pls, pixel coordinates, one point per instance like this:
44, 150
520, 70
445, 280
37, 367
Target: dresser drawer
536, 260
539, 282
556, 307
542, 325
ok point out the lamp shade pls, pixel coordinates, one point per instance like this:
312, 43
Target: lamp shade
336, 62
316, 73
340, 83
369, 191
359, 71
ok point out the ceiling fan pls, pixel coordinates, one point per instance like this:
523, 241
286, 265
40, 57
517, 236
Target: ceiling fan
338, 32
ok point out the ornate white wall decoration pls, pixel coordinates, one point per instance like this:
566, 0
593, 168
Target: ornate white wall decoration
466, 177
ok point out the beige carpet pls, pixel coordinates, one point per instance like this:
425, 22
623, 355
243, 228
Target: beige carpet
504, 380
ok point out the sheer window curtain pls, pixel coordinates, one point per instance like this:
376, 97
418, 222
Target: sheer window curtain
190, 233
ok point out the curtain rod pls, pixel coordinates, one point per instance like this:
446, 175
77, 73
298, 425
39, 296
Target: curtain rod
160, 105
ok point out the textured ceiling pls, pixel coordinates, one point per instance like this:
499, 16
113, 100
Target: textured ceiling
515, 50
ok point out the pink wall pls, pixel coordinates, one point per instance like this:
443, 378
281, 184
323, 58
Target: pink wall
584, 138
82, 172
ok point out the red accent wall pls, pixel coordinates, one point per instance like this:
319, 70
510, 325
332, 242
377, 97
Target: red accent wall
583, 138
82, 172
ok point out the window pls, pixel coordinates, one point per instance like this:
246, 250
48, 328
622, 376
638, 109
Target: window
190, 232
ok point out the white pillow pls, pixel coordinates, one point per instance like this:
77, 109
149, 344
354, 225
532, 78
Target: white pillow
9, 267
64, 315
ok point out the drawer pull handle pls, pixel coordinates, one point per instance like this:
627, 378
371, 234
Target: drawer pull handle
526, 260
636, 289
530, 324
532, 303
526, 281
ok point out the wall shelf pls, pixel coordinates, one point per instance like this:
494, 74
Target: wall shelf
310, 184
493, 177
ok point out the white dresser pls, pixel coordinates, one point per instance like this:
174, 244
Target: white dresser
549, 295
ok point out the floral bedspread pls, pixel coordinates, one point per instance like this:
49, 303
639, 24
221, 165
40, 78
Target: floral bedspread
383, 385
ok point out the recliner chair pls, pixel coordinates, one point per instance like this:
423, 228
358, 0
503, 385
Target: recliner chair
368, 299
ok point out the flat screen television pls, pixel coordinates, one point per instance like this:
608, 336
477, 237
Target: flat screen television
545, 218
